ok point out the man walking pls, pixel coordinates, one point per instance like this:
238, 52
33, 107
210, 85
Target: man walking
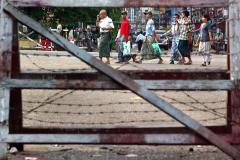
123, 37
106, 25
147, 51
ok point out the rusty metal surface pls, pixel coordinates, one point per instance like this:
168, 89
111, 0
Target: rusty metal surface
120, 3
120, 139
134, 74
127, 82
6, 35
121, 130
194, 85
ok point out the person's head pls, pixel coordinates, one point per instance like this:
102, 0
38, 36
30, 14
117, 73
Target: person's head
205, 18
176, 17
88, 28
185, 14
103, 14
148, 14
124, 14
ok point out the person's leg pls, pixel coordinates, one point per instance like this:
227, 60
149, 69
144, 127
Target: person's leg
160, 60
172, 51
141, 43
204, 59
120, 53
189, 59
181, 51
108, 60
139, 46
209, 57
175, 54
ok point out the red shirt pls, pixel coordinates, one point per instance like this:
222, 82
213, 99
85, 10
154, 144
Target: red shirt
124, 30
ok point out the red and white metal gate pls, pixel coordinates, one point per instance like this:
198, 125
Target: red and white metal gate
12, 81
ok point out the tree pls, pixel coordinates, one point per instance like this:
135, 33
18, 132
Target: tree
69, 17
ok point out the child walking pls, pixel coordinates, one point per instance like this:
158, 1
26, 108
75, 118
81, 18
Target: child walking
206, 40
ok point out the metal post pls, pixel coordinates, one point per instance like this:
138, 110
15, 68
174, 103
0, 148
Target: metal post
6, 30
15, 115
234, 23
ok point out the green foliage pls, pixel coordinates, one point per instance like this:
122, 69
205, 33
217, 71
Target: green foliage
69, 17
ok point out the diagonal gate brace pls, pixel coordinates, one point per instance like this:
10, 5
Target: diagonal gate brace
127, 82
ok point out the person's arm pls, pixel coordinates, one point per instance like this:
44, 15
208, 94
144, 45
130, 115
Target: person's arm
210, 34
211, 38
98, 21
118, 36
154, 31
169, 32
196, 30
137, 39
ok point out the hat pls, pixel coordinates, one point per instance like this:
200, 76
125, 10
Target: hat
124, 12
148, 12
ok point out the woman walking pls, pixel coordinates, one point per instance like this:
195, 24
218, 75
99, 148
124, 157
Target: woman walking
185, 39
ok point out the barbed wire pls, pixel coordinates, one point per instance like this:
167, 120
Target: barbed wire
52, 70
88, 105
205, 106
217, 115
209, 110
114, 123
110, 112
116, 103
46, 55
49, 101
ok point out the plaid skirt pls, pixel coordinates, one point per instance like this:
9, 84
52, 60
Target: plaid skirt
184, 48
105, 45
147, 51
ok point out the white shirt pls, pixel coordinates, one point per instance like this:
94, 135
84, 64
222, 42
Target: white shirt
175, 29
105, 23
150, 28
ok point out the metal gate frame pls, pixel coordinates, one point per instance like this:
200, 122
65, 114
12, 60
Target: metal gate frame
12, 81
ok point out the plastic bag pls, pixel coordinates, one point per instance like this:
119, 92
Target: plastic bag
157, 49
126, 48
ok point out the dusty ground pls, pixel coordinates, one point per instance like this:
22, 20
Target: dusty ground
57, 108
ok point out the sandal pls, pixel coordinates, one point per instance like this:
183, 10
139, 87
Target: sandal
181, 62
204, 65
160, 61
188, 63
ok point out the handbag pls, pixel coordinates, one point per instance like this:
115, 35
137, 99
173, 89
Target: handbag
126, 48
156, 49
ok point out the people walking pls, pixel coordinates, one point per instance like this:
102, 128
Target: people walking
185, 38
106, 25
175, 32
